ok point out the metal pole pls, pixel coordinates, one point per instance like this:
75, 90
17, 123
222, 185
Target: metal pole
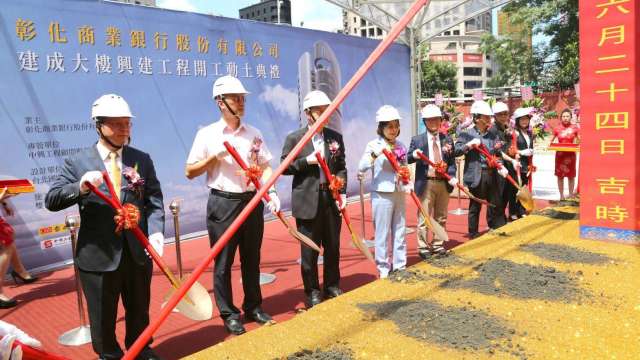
82, 334
413, 80
175, 210
459, 210
278, 5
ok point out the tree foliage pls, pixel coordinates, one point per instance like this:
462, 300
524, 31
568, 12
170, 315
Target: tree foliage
438, 77
554, 62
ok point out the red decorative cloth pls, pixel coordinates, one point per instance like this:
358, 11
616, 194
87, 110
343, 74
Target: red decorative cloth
566, 161
335, 185
253, 172
127, 217
6, 233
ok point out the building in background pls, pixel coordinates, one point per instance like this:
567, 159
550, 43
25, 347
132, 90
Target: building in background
272, 11
460, 45
352, 24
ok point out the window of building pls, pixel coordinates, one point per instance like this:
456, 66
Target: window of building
489, 73
363, 32
446, 33
488, 57
472, 71
456, 32
372, 32
363, 22
472, 84
379, 31
451, 45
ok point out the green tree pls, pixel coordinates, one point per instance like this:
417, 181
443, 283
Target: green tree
438, 77
554, 62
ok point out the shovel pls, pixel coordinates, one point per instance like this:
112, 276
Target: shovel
438, 230
196, 305
256, 182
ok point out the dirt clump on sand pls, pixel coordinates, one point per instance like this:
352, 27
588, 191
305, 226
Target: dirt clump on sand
506, 278
557, 214
451, 259
461, 328
333, 353
565, 254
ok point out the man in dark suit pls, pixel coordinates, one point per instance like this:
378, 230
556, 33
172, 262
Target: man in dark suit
481, 179
111, 264
317, 214
432, 188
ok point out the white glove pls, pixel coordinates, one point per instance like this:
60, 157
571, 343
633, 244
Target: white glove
453, 182
92, 177
503, 172
5, 346
416, 153
343, 199
274, 204
526, 152
473, 143
10, 329
311, 159
157, 241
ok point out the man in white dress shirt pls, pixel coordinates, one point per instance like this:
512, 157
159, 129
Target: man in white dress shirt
229, 194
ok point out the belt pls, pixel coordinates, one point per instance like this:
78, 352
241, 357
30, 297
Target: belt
435, 178
248, 195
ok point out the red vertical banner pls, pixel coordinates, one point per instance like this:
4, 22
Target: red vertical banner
609, 162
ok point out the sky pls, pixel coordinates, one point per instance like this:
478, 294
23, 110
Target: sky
316, 14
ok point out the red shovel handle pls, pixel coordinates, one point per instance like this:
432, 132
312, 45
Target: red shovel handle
243, 165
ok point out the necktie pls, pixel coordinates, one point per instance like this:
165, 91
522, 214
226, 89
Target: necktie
115, 173
436, 150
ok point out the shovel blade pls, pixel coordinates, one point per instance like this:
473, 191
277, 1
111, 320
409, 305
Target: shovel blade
304, 239
196, 304
526, 199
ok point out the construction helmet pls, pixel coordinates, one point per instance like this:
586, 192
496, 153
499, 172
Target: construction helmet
481, 107
520, 112
499, 107
387, 113
430, 111
315, 98
228, 85
110, 105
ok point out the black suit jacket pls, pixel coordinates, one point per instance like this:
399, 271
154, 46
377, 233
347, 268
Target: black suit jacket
306, 178
521, 143
422, 142
99, 248
473, 161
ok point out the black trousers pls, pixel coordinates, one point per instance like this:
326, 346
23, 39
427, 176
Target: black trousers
515, 208
222, 209
103, 290
324, 230
486, 189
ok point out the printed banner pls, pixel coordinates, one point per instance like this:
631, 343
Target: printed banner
58, 56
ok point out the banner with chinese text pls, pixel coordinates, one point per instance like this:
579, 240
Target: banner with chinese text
58, 56
609, 79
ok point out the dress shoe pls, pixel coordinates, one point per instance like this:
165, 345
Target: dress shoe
259, 316
332, 292
314, 299
424, 255
148, 354
27, 280
9, 303
234, 326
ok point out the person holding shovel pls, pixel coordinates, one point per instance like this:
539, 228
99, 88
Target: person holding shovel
112, 264
479, 175
524, 145
229, 193
388, 192
432, 188
317, 213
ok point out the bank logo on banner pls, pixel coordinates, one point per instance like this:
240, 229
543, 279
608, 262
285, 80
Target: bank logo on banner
55, 242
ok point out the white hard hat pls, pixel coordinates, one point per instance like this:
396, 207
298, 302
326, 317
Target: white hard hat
110, 105
430, 111
387, 113
520, 112
228, 85
499, 107
315, 98
481, 107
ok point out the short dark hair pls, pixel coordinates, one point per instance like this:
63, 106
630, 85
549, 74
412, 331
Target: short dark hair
381, 126
566, 110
